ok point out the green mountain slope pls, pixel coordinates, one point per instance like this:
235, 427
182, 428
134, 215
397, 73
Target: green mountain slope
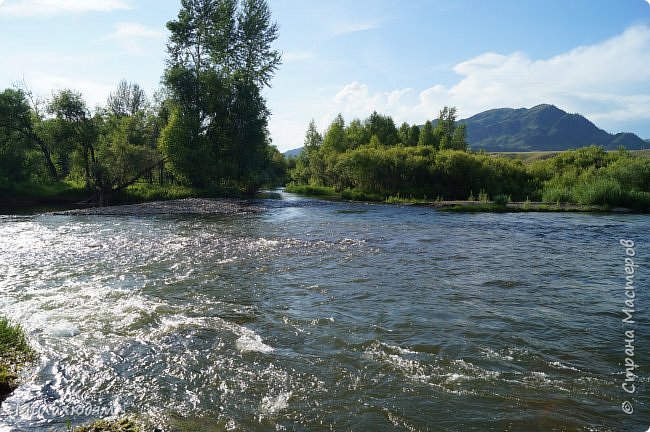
541, 128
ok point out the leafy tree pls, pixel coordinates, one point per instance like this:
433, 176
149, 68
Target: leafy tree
384, 128
403, 133
74, 124
357, 134
17, 123
413, 136
426, 136
310, 165
459, 139
220, 58
127, 100
335, 140
446, 127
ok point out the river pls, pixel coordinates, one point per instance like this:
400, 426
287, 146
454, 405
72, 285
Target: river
317, 315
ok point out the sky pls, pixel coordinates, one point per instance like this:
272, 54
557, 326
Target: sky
404, 58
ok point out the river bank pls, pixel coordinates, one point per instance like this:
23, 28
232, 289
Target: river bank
15, 355
503, 204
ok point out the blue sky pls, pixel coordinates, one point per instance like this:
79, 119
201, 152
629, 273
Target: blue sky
405, 58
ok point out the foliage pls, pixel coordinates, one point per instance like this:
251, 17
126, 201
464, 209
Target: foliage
310, 190
220, 58
15, 352
441, 166
207, 129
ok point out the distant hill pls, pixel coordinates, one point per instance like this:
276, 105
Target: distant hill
292, 153
541, 128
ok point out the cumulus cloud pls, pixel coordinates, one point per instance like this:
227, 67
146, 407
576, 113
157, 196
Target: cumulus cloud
30, 8
129, 34
605, 81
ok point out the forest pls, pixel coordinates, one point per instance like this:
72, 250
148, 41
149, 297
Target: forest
204, 132
374, 159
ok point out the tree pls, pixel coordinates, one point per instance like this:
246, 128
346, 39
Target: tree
427, 137
404, 130
309, 165
413, 136
459, 139
256, 33
384, 128
75, 124
357, 134
127, 100
220, 58
335, 137
17, 119
446, 127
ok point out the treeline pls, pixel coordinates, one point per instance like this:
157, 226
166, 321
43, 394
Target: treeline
374, 158
207, 127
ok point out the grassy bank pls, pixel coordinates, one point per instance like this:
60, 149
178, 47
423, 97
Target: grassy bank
15, 354
66, 195
500, 204
31, 194
122, 425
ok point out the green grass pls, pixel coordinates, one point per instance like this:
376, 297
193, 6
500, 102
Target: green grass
15, 353
311, 190
144, 192
359, 195
122, 425
56, 192
478, 208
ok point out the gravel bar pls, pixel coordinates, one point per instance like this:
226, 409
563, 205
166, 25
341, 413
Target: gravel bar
188, 206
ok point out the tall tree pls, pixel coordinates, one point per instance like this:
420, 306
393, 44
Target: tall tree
459, 139
220, 58
310, 166
17, 118
446, 127
75, 123
427, 137
357, 134
384, 127
335, 138
404, 133
127, 100
413, 136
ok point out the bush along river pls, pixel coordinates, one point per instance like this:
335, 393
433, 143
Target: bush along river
316, 315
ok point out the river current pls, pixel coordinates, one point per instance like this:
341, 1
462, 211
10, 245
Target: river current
317, 315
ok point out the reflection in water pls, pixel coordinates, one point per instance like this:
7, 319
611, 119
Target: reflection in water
321, 315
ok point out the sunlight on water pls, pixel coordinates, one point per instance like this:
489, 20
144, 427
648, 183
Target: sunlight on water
320, 315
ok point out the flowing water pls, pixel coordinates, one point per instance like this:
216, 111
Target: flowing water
316, 315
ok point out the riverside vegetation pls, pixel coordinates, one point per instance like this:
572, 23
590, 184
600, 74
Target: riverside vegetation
15, 354
374, 160
203, 134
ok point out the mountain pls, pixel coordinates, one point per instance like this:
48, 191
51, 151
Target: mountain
292, 153
543, 127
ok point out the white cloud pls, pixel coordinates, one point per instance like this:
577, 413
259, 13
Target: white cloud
609, 82
128, 35
30, 8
